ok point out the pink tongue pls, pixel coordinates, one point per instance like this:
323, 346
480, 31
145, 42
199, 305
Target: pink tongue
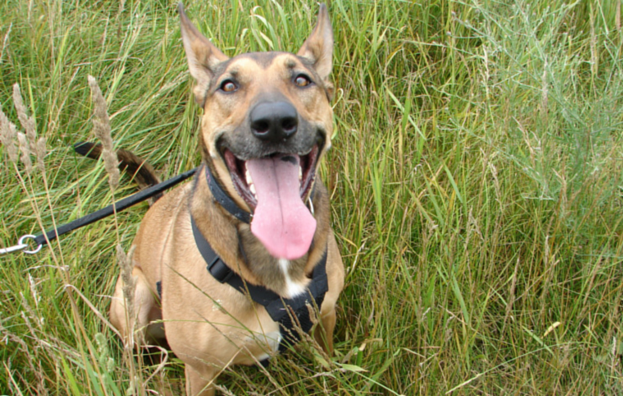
281, 220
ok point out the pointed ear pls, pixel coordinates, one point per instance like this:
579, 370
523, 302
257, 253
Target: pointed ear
201, 54
318, 47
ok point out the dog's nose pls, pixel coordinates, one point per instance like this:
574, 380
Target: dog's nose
274, 121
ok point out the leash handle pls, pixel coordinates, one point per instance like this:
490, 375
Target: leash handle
43, 239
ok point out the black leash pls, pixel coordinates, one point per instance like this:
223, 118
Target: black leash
43, 239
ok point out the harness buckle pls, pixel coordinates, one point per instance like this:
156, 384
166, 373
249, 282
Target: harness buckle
219, 270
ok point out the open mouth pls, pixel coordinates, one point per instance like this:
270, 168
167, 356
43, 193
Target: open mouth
242, 173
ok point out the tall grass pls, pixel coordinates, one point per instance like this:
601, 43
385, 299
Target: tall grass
475, 180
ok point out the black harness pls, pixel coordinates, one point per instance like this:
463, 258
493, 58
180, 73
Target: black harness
292, 314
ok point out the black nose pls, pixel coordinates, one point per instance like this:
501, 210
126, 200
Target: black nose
274, 121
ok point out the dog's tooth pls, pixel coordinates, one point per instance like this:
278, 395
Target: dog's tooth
300, 173
248, 177
252, 188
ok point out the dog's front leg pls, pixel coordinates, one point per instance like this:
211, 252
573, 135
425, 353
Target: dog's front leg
324, 333
144, 310
199, 383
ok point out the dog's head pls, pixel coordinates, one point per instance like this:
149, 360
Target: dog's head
267, 121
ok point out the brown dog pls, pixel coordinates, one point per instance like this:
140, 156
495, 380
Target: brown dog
267, 122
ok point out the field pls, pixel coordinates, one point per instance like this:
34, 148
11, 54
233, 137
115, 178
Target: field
476, 180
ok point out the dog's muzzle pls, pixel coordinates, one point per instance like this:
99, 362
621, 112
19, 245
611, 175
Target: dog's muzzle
273, 122
273, 171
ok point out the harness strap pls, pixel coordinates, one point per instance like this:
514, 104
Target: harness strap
289, 313
225, 200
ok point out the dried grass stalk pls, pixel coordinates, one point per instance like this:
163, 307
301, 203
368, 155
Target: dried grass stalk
129, 288
101, 128
25, 149
129, 281
111, 163
101, 122
28, 123
40, 153
7, 137
544, 89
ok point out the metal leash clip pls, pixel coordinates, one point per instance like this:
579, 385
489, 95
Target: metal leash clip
21, 246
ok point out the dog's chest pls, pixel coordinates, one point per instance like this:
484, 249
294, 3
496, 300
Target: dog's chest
292, 288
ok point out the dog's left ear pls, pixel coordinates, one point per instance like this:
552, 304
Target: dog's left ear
202, 56
318, 47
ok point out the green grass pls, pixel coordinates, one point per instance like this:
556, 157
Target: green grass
475, 176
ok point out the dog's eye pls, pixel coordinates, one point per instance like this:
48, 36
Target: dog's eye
302, 80
228, 86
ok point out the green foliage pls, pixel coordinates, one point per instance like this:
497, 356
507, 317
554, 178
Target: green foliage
475, 178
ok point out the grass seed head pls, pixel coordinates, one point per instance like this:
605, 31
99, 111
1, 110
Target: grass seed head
40, 153
101, 128
101, 121
129, 281
25, 149
28, 123
7, 137
544, 89
111, 164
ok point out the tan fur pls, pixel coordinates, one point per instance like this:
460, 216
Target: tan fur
210, 325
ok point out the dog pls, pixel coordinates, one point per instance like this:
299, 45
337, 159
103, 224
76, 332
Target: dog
236, 264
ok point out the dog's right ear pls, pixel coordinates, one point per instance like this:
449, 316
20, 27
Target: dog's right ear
202, 55
318, 48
